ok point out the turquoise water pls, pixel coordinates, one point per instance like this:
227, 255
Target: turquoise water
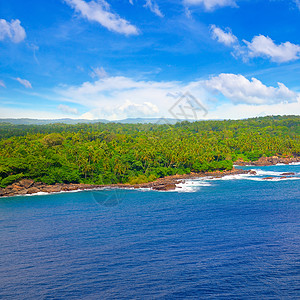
233, 238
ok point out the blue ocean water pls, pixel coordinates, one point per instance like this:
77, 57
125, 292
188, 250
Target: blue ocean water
231, 238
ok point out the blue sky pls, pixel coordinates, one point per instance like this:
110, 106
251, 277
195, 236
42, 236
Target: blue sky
115, 59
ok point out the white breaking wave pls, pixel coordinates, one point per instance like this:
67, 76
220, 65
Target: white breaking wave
193, 185
268, 173
233, 177
295, 163
36, 194
190, 185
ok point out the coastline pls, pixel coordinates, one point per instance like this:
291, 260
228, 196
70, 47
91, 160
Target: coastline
168, 183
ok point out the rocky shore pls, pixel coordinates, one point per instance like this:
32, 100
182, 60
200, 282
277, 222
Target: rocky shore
29, 186
269, 161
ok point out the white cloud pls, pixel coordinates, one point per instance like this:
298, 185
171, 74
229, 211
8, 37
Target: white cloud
98, 73
24, 82
12, 30
2, 83
262, 46
100, 12
297, 2
211, 5
67, 109
152, 5
240, 111
114, 98
239, 89
121, 97
128, 109
144, 109
226, 38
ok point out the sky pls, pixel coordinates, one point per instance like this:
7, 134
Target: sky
117, 59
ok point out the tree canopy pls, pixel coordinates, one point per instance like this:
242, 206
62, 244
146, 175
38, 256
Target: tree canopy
134, 153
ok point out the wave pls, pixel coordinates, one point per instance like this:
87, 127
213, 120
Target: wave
190, 186
295, 163
274, 179
269, 173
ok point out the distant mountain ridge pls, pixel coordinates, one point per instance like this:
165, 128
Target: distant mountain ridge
27, 121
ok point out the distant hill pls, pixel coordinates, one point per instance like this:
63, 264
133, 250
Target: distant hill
26, 121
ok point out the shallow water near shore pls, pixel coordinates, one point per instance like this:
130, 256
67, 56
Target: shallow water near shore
234, 237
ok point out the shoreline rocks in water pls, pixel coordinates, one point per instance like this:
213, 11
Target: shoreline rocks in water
269, 178
287, 174
29, 186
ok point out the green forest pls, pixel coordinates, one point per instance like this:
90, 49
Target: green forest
136, 153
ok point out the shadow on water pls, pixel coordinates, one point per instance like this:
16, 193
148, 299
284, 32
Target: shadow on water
114, 197
109, 198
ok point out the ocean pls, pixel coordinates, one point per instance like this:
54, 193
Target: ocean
237, 237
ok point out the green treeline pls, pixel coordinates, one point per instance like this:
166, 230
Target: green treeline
135, 153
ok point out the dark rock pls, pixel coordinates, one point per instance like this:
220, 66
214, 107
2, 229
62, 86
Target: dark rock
165, 187
51, 189
268, 178
26, 183
288, 173
33, 190
252, 172
23, 192
17, 187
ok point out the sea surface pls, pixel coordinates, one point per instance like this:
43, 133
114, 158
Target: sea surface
232, 238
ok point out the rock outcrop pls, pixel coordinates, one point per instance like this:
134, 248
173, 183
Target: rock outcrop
28, 186
268, 161
288, 174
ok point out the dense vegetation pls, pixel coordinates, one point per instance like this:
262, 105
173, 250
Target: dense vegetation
119, 153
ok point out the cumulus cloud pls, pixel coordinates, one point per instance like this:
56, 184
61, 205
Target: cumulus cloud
152, 5
239, 89
224, 37
223, 96
128, 109
24, 82
12, 30
262, 46
210, 5
240, 111
100, 12
119, 97
144, 109
67, 109
2, 83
